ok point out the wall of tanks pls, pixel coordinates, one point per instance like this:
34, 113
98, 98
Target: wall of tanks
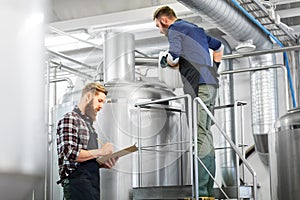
33, 164
261, 95
120, 107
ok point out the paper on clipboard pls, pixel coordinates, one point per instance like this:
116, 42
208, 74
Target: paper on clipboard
118, 154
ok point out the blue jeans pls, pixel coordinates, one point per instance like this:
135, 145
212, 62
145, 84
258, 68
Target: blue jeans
206, 152
205, 182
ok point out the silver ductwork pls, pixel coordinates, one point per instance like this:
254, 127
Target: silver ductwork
230, 20
264, 102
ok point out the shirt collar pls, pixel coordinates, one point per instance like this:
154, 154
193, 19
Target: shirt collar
82, 115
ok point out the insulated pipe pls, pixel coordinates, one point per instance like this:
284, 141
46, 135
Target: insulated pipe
230, 21
264, 101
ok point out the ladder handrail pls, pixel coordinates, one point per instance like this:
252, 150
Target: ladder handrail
197, 101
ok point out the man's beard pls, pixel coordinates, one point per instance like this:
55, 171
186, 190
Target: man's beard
90, 111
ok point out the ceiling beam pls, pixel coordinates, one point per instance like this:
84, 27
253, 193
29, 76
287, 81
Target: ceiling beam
105, 21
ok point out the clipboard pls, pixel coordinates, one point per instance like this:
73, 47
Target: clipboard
120, 153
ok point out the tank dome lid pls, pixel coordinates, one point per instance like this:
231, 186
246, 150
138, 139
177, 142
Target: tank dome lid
289, 121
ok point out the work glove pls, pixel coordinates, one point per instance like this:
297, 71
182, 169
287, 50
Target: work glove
164, 61
216, 65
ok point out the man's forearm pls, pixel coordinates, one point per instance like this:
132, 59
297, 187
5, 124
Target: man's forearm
85, 155
217, 56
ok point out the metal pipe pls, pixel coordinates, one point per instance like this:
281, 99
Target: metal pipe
237, 144
139, 149
242, 131
144, 55
243, 138
195, 125
63, 79
236, 103
265, 68
71, 70
249, 69
154, 60
248, 54
69, 59
226, 92
197, 99
71, 36
261, 52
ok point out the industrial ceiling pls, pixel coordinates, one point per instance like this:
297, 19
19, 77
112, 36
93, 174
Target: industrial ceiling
76, 28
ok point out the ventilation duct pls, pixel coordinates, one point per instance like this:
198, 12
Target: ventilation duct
232, 22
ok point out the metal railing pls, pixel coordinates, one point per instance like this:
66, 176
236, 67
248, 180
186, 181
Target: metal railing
276, 66
197, 101
188, 100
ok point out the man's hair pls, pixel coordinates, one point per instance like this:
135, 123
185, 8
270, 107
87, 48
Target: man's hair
94, 87
164, 11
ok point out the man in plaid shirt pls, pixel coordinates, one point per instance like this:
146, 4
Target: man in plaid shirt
78, 149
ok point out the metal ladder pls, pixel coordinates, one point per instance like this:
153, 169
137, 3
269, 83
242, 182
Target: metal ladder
240, 191
186, 191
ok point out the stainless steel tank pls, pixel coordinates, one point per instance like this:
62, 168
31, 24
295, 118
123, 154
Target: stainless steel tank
118, 57
163, 156
284, 151
160, 162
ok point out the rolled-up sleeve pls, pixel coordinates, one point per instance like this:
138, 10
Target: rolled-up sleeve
213, 43
67, 139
